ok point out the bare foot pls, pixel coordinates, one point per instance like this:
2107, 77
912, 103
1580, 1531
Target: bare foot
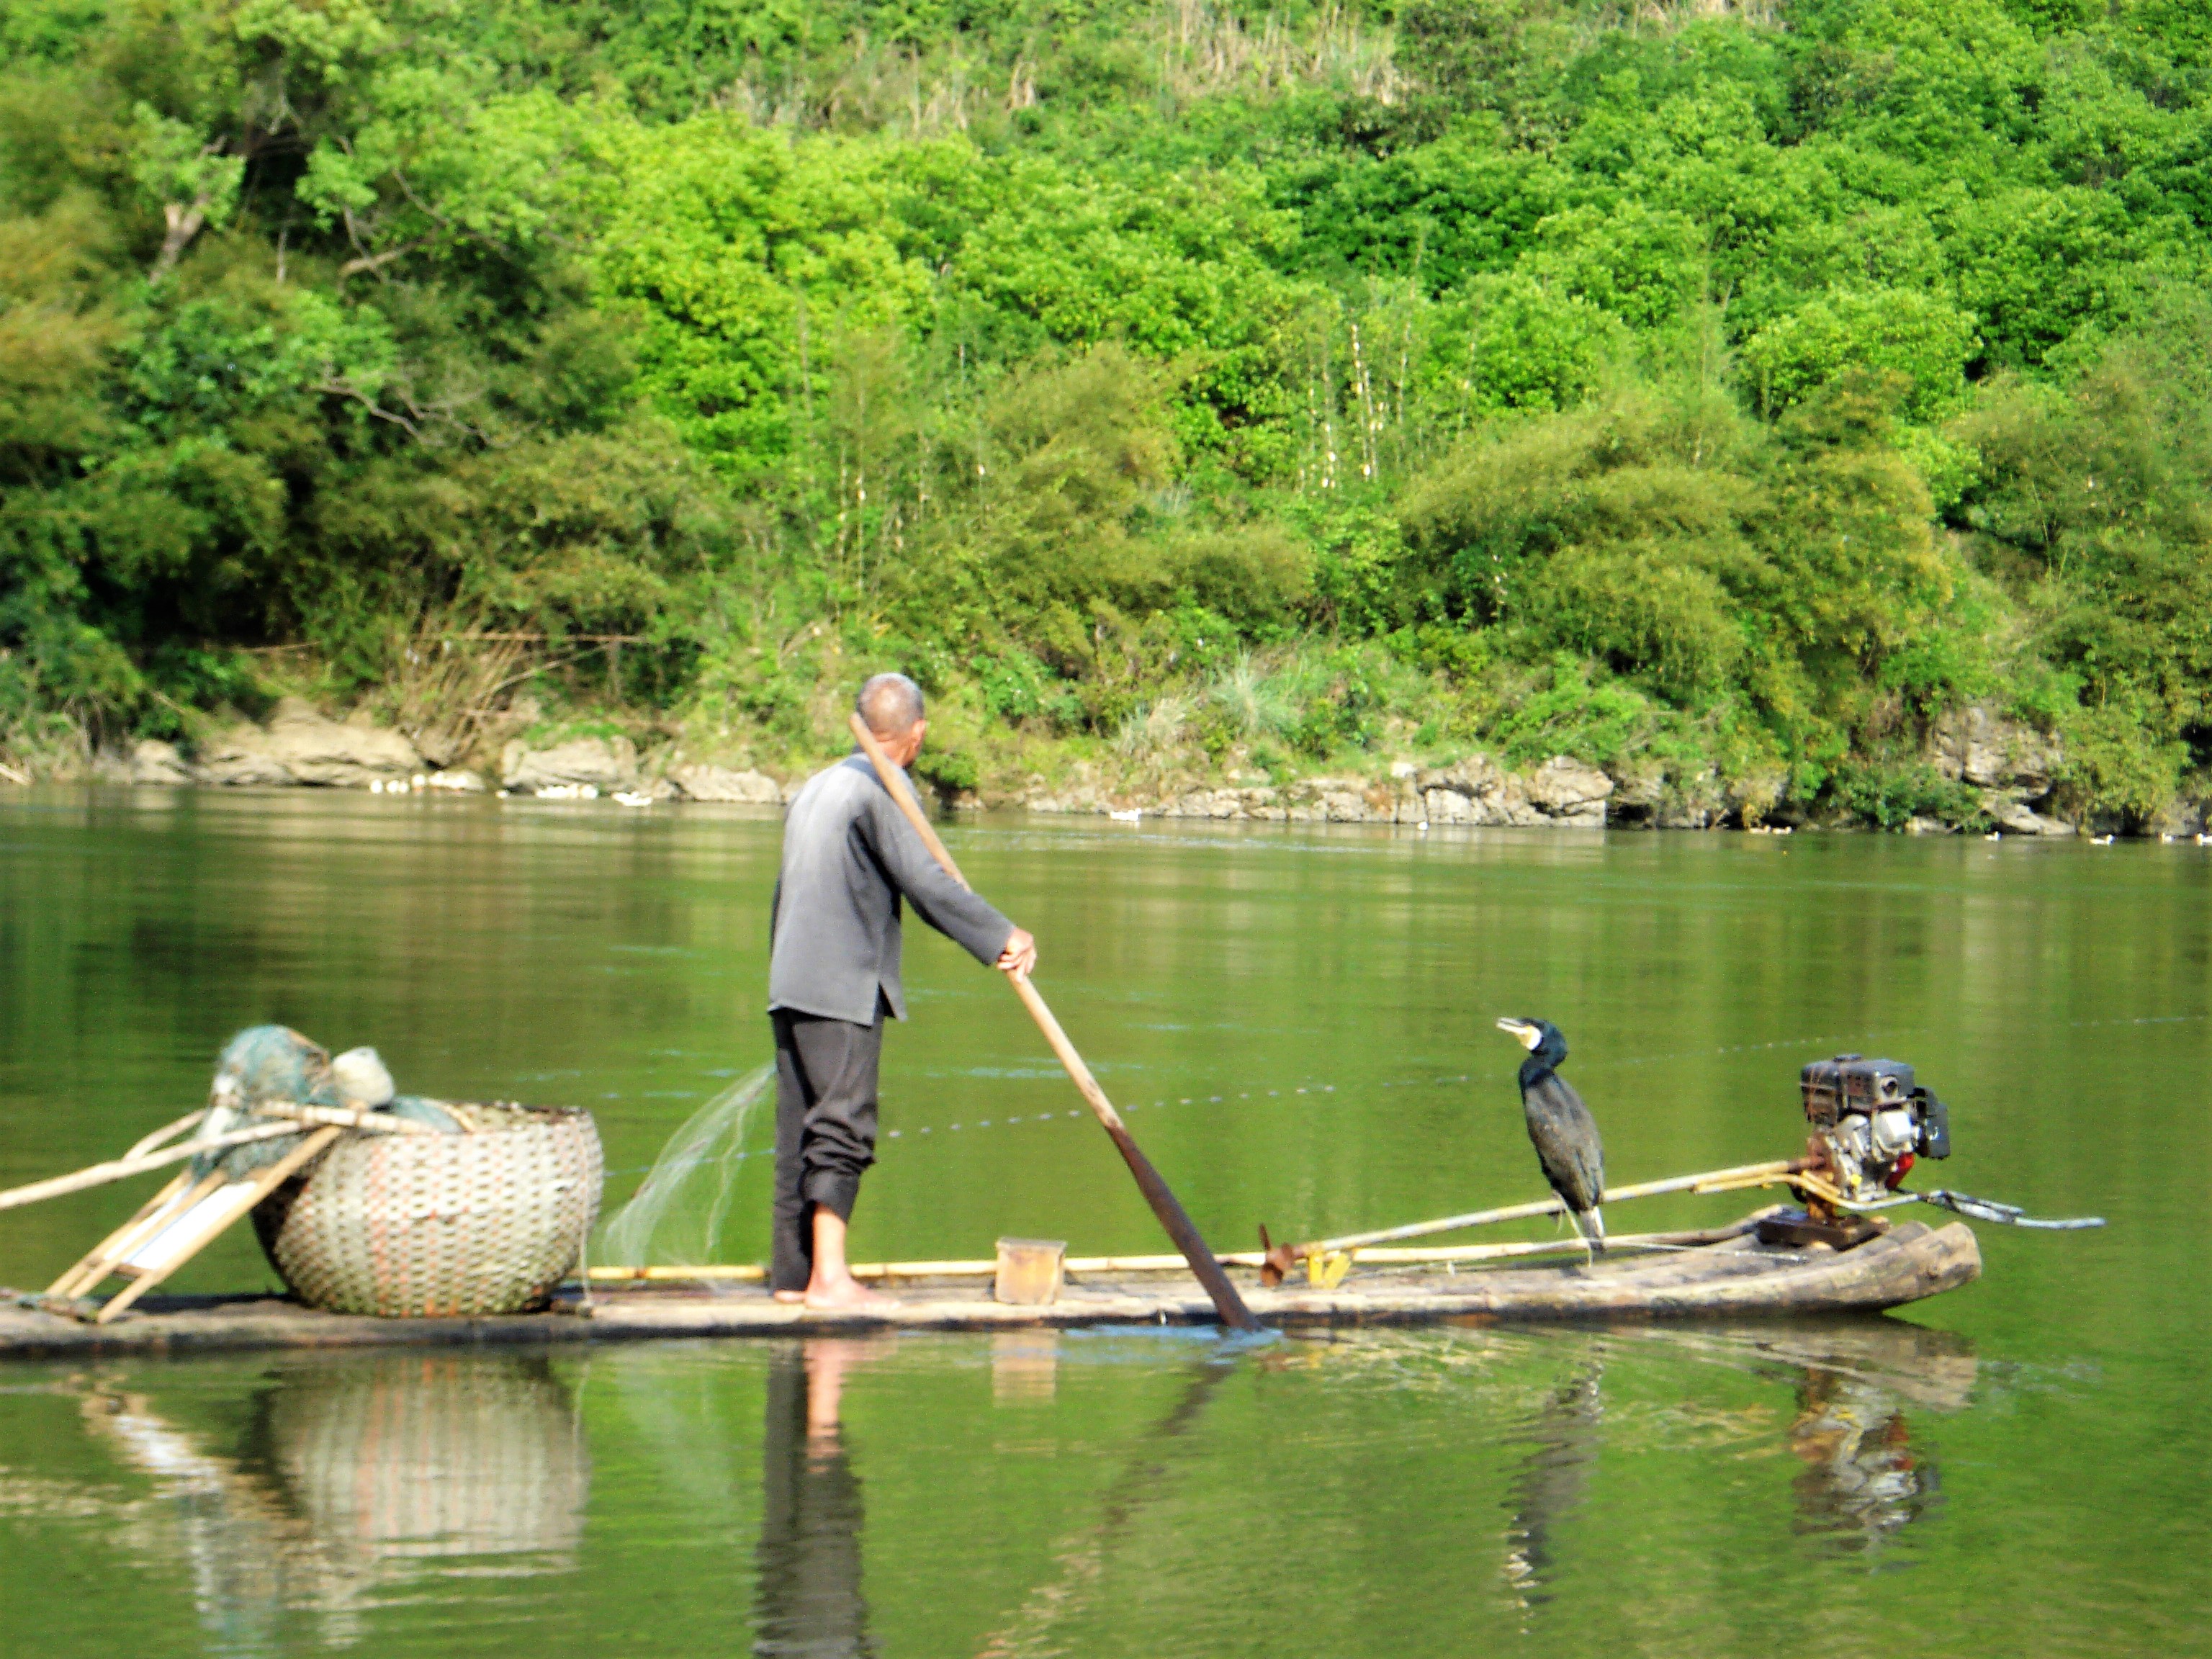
844, 1293
792, 1298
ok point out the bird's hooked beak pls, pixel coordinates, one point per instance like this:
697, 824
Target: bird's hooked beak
1522, 1031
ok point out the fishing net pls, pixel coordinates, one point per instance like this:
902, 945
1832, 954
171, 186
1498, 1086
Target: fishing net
274, 1063
262, 1063
436, 1113
677, 1216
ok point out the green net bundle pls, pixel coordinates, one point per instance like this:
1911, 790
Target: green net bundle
266, 1063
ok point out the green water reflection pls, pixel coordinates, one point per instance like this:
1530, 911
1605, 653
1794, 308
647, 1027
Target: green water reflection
2021, 1465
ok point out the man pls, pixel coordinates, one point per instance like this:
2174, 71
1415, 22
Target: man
849, 858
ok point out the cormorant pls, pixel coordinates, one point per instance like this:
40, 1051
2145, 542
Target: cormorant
1561, 1127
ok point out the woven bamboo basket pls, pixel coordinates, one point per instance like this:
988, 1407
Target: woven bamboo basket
409, 1226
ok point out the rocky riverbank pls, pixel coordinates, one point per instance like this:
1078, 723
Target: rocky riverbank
2011, 770
298, 745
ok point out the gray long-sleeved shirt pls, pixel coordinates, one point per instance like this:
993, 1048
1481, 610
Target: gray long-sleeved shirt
848, 857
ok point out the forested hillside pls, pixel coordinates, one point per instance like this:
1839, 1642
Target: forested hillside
1722, 390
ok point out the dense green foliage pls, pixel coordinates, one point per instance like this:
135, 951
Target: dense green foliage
1726, 392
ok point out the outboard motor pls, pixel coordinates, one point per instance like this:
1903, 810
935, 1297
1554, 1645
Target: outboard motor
1871, 1122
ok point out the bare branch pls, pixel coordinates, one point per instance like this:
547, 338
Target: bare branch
419, 419
184, 223
340, 388
378, 261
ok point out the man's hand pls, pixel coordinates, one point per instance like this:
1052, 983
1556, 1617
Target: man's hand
1020, 955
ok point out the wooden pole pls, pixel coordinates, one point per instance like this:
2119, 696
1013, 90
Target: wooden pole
1172, 1216
343, 1117
122, 1168
147, 1143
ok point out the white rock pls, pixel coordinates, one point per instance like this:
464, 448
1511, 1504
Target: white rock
1982, 747
580, 763
1474, 791
1347, 806
1571, 792
1196, 804
1447, 806
240, 756
154, 762
721, 783
301, 745
2020, 819
1339, 800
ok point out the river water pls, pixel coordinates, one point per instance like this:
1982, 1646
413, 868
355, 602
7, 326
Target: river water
1299, 1021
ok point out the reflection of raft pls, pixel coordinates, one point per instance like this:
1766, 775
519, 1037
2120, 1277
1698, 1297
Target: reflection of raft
352, 1478
1734, 1278
441, 1458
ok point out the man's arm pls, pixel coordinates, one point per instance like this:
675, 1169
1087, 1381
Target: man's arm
962, 915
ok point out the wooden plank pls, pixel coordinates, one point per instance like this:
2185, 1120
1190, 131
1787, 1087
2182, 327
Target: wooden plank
211, 1216
159, 1246
94, 1265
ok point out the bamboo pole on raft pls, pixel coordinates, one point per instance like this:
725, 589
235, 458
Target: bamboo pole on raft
1081, 1266
1713, 1181
122, 1168
1170, 1210
1736, 1179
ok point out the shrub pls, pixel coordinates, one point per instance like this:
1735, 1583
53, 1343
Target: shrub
1926, 339
1893, 795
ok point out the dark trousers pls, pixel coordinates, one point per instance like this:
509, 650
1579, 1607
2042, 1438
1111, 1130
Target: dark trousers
825, 1130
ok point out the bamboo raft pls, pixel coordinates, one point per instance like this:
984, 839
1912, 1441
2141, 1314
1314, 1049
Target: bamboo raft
1723, 1273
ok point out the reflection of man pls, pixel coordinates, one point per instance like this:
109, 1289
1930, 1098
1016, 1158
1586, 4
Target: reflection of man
809, 1600
848, 859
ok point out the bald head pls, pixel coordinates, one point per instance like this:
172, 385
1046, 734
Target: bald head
890, 704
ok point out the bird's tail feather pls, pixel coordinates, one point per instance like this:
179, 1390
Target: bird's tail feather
1590, 1223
